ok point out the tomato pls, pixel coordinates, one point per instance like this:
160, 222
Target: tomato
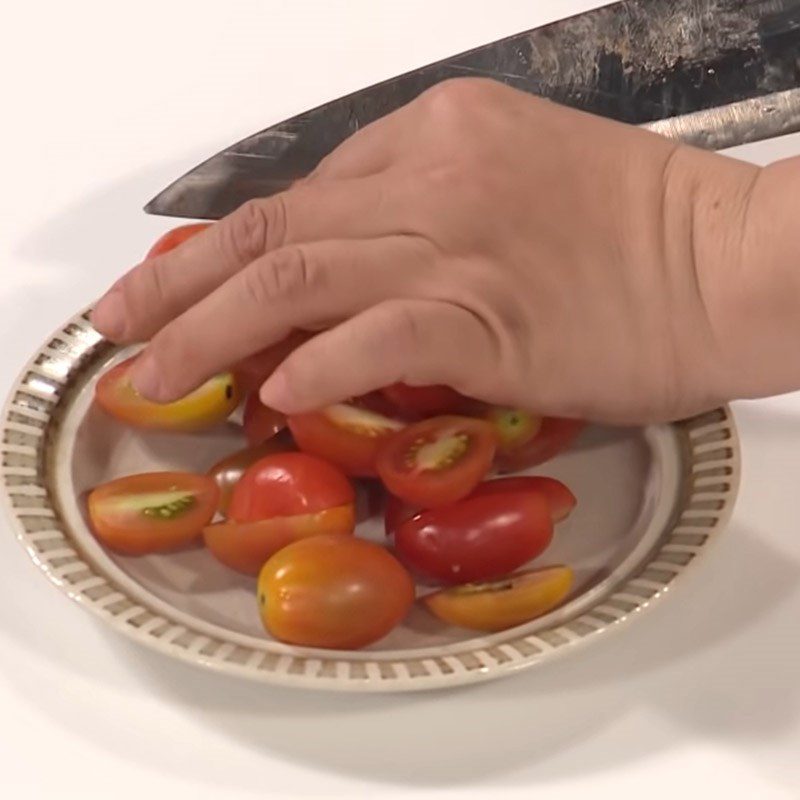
422, 401
345, 435
255, 369
438, 461
334, 592
513, 426
560, 498
205, 407
260, 422
286, 484
230, 469
153, 511
550, 435
171, 239
246, 546
478, 538
395, 513
502, 604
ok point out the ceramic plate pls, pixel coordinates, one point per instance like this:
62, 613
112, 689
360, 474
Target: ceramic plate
650, 500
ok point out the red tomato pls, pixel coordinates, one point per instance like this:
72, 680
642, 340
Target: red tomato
153, 511
551, 436
171, 239
477, 539
345, 435
560, 498
503, 604
334, 592
246, 546
396, 513
287, 484
422, 401
438, 461
205, 407
260, 422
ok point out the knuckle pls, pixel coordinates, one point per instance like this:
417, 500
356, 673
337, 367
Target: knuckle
454, 98
286, 275
254, 228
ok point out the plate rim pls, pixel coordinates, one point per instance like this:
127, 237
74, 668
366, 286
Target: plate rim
30, 422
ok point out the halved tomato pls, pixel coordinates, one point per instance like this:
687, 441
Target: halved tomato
438, 461
527, 440
344, 434
513, 427
502, 604
205, 407
560, 498
246, 546
171, 239
415, 402
153, 511
260, 422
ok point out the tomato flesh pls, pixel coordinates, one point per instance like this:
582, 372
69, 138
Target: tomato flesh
333, 592
246, 546
206, 406
260, 422
415, 402
478, 538
344, 434
503, 604
152, 512
562, 501
177, 236
438, 461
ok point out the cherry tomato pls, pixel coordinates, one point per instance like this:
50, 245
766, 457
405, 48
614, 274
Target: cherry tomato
478, 538
260, 422
287, 484
502, 604
246, 546
550, 435
416, 402
438, 461
171, 239
513, 426
334, 592
230, 469
560, 498
203, 408
153, 511
395, 513
345, 435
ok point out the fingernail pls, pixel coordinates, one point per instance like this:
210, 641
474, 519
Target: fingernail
109, 315
276, 394
146, 379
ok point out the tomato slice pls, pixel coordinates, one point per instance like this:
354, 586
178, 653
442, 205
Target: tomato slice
415, 402
205, 407
560, 498
438, 461
260, 422
287, 484
478, 538
171, 239
345, 435
503, 604
333, 592
246, 546
549, 437
152, 512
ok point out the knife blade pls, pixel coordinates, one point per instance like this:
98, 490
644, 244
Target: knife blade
713, 73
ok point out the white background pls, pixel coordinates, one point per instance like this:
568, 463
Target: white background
102, 105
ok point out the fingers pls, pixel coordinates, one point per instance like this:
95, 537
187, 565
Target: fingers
305, 287
414, 341
160, 289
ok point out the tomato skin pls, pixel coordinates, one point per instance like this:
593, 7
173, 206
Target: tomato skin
395, 513
246, 546
177, 236
124, 512
344, 434
438, 461
333, 592
517, 600
477, 539
259, 421
560, 498
287, 484
417, 402
209, 405
555, 435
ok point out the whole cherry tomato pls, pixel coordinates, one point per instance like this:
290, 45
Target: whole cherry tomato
260, 422
438, 461
205, 407
476, 539
502, 604
333, 592
152, 512
416, 402
344, 434
171, 239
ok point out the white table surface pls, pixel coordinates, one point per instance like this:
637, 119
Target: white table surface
102, 105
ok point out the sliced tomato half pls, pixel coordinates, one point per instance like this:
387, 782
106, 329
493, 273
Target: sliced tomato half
416, 402
177, 236
260, 422
537, 440
562, 501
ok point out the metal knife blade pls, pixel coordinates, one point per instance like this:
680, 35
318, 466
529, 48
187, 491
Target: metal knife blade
714, 73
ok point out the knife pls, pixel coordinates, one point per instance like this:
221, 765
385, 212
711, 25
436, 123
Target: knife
712, 73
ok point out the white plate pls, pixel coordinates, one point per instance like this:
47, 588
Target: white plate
649, 501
